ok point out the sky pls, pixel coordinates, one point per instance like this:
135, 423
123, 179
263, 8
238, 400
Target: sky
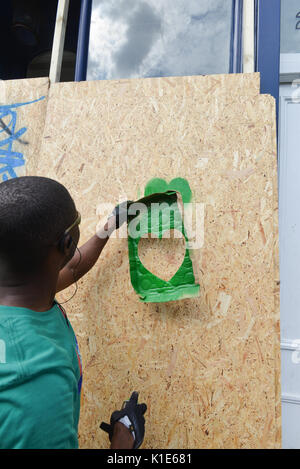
148, 38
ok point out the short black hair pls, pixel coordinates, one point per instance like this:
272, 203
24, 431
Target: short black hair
34, 213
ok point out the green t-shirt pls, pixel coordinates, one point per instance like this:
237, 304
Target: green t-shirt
40, 379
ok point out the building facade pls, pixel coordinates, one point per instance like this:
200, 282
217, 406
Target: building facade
114, 39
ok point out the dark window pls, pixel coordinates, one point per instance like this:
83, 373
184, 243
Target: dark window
26, 32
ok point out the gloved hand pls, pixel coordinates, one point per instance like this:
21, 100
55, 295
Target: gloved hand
135, 413
120, 213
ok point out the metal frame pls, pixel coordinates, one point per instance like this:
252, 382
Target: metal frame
255, 33
59, 40
236, 47
249, 37
268, 46
83, 40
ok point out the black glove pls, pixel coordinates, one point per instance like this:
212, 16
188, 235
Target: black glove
135, 413
120, 212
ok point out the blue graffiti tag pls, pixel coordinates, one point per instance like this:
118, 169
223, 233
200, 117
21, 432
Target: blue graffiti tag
9, 159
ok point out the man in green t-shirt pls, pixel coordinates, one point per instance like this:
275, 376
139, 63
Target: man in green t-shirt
40, 364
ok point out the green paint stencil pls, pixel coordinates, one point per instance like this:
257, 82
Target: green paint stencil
180, 185
160, 211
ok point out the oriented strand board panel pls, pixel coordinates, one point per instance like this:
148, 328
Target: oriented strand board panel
207, 367
22, 109
277, 300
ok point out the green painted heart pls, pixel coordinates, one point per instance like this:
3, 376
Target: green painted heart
161, 214
157, 185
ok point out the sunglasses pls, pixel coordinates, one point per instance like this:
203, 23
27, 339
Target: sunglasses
76, 222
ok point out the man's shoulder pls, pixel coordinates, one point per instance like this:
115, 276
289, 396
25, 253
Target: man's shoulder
32, 343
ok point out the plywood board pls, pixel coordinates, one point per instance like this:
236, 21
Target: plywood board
29, 115
208, 367
276, 296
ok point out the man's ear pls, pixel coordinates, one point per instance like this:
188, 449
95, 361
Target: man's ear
69, 242
65, 244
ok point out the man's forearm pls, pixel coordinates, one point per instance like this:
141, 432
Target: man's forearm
89, 253
88, 256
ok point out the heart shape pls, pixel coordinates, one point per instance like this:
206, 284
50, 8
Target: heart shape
162, 257
157, 185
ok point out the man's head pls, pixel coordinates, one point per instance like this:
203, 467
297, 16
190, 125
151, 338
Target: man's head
35, 212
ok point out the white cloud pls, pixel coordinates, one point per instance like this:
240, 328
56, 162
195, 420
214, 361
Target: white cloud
139, 38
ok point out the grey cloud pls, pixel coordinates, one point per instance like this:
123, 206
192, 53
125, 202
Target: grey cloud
143, 28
